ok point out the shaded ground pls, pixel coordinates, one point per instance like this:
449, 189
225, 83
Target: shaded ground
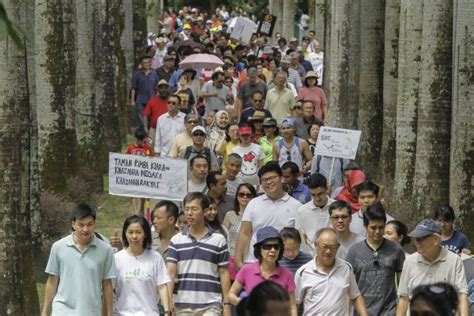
111, 212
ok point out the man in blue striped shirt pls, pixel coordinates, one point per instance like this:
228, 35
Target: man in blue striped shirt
199, 257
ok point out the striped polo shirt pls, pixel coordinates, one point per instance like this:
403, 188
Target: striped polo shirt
197, 268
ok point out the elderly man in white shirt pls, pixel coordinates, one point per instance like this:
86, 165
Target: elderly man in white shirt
326, 285
169, 125
316, 58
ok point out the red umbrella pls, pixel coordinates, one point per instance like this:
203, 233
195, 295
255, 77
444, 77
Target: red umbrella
198, 61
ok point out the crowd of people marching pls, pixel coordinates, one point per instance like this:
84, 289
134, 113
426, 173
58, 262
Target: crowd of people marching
266, 227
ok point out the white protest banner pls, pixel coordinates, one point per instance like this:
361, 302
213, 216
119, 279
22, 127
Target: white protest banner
147, 177
337, 142
243, 29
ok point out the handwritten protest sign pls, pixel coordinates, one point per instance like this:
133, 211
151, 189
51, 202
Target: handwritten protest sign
147, 177
337, 142
243, 29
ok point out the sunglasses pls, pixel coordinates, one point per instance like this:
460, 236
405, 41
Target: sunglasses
271, 246
297, 107
258, 121
172, 103
376, 259
259, 101
246, 195
199, 134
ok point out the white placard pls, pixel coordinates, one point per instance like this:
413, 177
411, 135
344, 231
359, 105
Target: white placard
147, 177
337, 142
244, 28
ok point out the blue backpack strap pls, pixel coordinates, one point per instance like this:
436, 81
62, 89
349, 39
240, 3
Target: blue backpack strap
280, 143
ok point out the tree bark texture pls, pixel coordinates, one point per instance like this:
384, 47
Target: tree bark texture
86, 108
431, 180
372, 13
288, 23
139, 30
390, 88
110, 86
55, 79
336, 64
155, 12
409, 57
462, 126
17, 284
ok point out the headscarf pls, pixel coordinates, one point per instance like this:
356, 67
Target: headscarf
216, 132
354, 178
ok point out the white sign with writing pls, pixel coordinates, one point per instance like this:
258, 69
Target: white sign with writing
147, 177
243, 29
337, 142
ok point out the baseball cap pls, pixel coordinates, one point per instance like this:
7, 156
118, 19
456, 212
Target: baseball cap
293, 39
163, 82
199, 129
425, 228
257, 115
286, 59
267, 232
288, 121
245, 130
269, 121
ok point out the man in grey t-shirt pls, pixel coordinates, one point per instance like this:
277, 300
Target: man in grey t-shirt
215, 93
376, 261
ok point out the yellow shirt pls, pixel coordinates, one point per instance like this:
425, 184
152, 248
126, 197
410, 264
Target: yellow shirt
180, 143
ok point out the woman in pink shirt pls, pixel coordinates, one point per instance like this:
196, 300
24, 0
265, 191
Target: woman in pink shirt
268, 250
312, 92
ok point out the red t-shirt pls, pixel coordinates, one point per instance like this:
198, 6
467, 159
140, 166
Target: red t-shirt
155, 108
144, 150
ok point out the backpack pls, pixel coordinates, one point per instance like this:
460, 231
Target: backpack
206, 153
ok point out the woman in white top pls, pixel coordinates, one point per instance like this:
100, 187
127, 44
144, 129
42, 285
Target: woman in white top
141, 272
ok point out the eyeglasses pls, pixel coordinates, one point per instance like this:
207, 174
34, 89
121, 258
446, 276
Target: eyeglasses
258, 100
376, 259
246, 195
199, 134
343, 217
272, 178
324, 247
288, 157
271, 246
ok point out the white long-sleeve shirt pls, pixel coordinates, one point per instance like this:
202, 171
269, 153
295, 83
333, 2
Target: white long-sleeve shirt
167, 128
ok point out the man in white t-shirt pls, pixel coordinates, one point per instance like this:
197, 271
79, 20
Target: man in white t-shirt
314, 215
199, 170
273, 208
233, 164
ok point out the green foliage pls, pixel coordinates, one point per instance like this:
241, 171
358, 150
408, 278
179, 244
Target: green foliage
10, 29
